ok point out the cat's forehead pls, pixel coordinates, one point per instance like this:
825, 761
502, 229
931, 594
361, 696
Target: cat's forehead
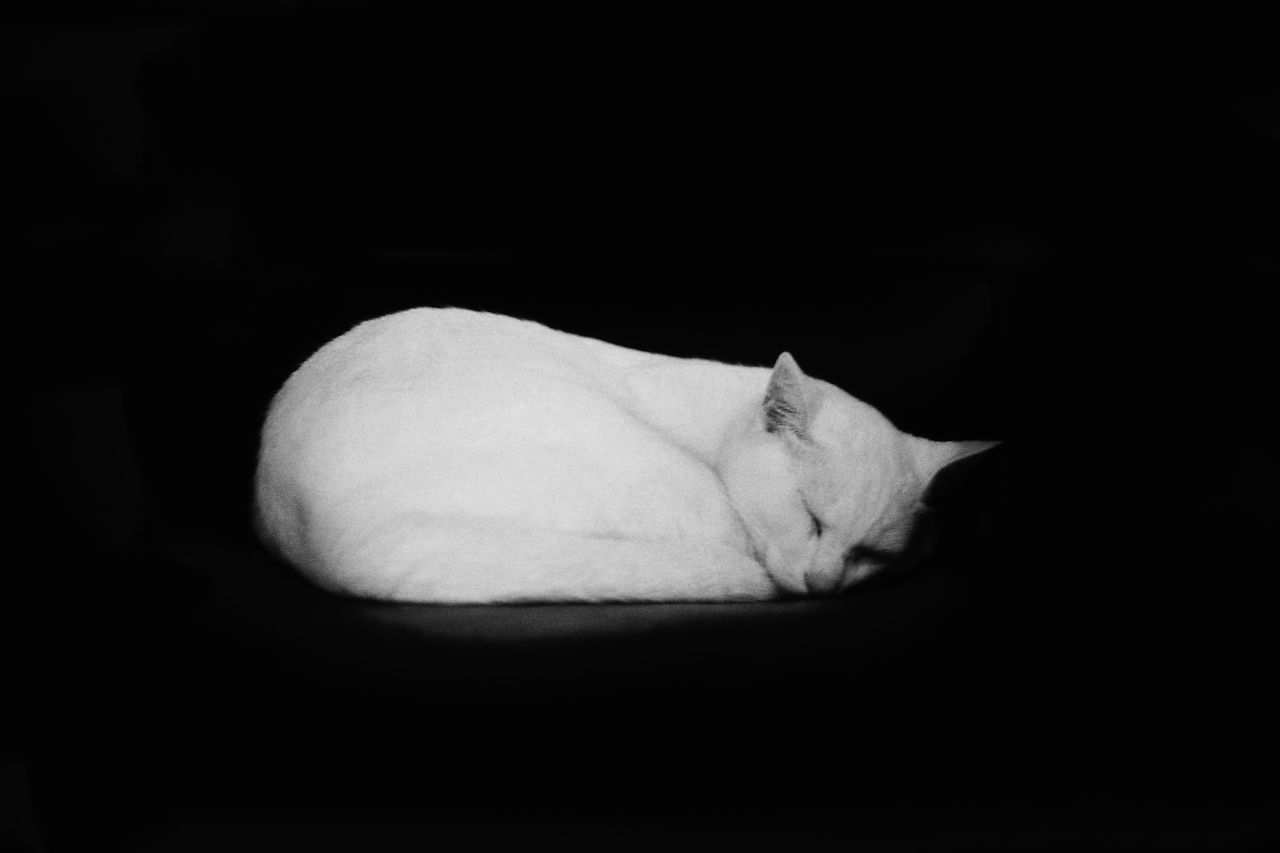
853, 427
867, 470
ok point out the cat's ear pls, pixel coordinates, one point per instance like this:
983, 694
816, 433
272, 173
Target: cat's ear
937, 462
932, 456
786, 406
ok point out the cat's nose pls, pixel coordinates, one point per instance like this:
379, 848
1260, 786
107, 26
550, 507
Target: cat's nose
822, 583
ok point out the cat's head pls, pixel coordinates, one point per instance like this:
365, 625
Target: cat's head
827, 488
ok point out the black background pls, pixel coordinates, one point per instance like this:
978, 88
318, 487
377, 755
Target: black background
1068, 250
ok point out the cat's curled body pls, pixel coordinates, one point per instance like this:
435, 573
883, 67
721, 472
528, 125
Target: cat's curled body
446, 455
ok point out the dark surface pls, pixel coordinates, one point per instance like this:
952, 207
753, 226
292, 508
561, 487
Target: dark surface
1078, 269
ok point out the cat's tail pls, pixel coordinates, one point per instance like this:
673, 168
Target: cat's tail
425, 559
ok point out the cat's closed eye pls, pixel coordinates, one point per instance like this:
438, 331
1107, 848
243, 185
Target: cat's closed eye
817, 525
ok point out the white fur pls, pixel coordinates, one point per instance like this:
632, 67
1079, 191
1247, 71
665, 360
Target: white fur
446, 455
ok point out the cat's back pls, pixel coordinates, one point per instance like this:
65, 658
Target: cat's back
432, 381
443, 350
460, 340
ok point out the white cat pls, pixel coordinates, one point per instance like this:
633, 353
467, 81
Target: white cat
445, 455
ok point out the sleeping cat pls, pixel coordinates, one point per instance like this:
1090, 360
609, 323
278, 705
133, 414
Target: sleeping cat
445, 455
